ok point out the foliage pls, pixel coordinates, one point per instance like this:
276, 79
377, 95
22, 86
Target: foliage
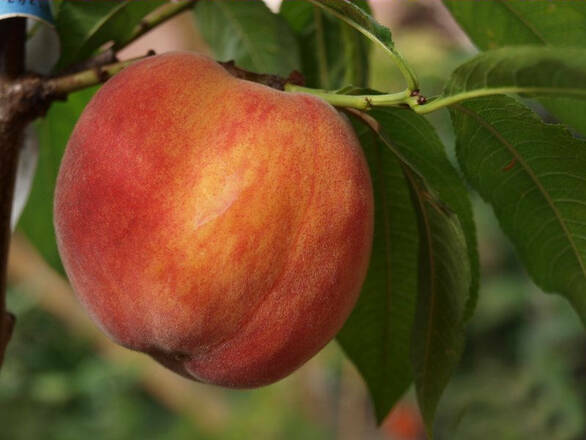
249, 34
533, 175
517, 23
332, 65
84, 26
422, 284
377, 336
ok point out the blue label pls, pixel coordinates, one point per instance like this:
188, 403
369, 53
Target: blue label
39, 9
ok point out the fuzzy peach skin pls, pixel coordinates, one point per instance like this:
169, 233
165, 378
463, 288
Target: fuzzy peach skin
218, 225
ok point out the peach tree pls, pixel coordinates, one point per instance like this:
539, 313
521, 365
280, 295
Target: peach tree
421, 285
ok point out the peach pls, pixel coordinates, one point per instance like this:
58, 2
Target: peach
218, 225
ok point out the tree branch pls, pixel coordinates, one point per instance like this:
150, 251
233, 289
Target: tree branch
59, 87
12, 43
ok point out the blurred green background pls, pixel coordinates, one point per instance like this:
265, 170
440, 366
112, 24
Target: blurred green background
523, 374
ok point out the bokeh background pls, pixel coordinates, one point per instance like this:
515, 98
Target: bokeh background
523, 373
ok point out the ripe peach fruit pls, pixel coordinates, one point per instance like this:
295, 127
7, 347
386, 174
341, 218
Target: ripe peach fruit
221, 226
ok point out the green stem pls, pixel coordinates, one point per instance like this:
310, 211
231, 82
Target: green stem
447, 101
361, 102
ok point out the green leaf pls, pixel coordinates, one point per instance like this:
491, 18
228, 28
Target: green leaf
531, 70
493, 24
533, 174
332, 53
419, 146
446, 289
448, 260
360, 20
377, 336
53, 130
498, 23
299, 15
85, 26
248, 33
444, 280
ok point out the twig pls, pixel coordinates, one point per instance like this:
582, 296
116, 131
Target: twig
12, 43
59, 87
